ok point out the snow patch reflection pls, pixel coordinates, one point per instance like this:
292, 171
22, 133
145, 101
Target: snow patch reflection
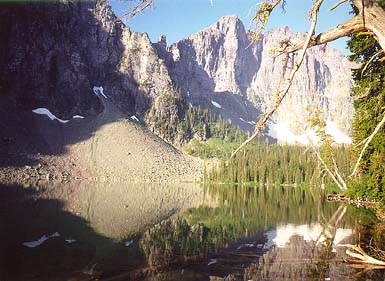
281, 236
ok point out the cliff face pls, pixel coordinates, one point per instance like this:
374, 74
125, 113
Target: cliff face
214, 67
79, 64
220, 64
53, 54
323, 82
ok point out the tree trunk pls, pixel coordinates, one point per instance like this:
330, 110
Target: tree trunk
373, 18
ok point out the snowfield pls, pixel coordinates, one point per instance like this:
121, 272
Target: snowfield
282, 132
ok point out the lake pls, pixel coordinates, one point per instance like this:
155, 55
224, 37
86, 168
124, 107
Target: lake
116, 231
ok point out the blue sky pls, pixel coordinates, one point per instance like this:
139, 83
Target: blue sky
179, 18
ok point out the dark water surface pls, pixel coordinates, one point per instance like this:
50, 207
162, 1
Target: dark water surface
114, 231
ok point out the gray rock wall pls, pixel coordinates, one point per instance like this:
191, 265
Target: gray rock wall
220, 64
53, 53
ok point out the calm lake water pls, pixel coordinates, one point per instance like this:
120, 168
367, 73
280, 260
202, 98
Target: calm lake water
113, 231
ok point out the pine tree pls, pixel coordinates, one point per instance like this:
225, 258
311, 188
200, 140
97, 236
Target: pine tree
369, 94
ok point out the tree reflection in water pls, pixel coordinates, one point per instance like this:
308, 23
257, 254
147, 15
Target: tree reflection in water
256, 233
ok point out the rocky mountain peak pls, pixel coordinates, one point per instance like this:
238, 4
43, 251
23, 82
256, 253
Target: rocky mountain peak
228, 24
162, 41
216, 68
217, 58
219, 64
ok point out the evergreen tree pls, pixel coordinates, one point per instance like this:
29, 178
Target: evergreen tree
369, 94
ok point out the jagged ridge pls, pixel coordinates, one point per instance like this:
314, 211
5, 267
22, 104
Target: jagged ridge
220, 64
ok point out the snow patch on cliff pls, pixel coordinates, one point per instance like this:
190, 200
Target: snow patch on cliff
248, 122
41, 240
282, 132
45, 111
217, 105
337, 135
133, 117
99, 90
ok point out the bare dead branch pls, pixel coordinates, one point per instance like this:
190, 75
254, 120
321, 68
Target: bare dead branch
372, 15
371, 60
341, 184
262, 16
365, 268
360, 255
281, 95
367, 92
349, 27
140, 6
329, 227
338, 175
370, 18
336, 5
361, 142
369, 139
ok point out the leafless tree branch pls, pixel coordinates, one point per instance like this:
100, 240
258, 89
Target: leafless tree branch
367, 142
360, 255
281, 95
336, 5
349, 27
337, 179
140, 6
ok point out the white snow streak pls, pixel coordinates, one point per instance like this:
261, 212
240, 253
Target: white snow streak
41, 240
217, 105
45, 111
99, 90
70, 241
128, 243
133, 117
248, 122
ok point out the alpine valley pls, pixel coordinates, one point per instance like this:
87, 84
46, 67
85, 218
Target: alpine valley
80, 90
115, 151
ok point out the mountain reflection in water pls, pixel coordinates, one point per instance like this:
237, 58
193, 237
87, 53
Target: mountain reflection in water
187, 232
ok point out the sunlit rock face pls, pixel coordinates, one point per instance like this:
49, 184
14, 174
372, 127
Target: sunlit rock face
220, 64
323, 82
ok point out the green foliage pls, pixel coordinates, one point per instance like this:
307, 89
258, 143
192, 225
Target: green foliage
369, 93
174, 121
212, 148
173, 238
239, 212
276, 164
166, 115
